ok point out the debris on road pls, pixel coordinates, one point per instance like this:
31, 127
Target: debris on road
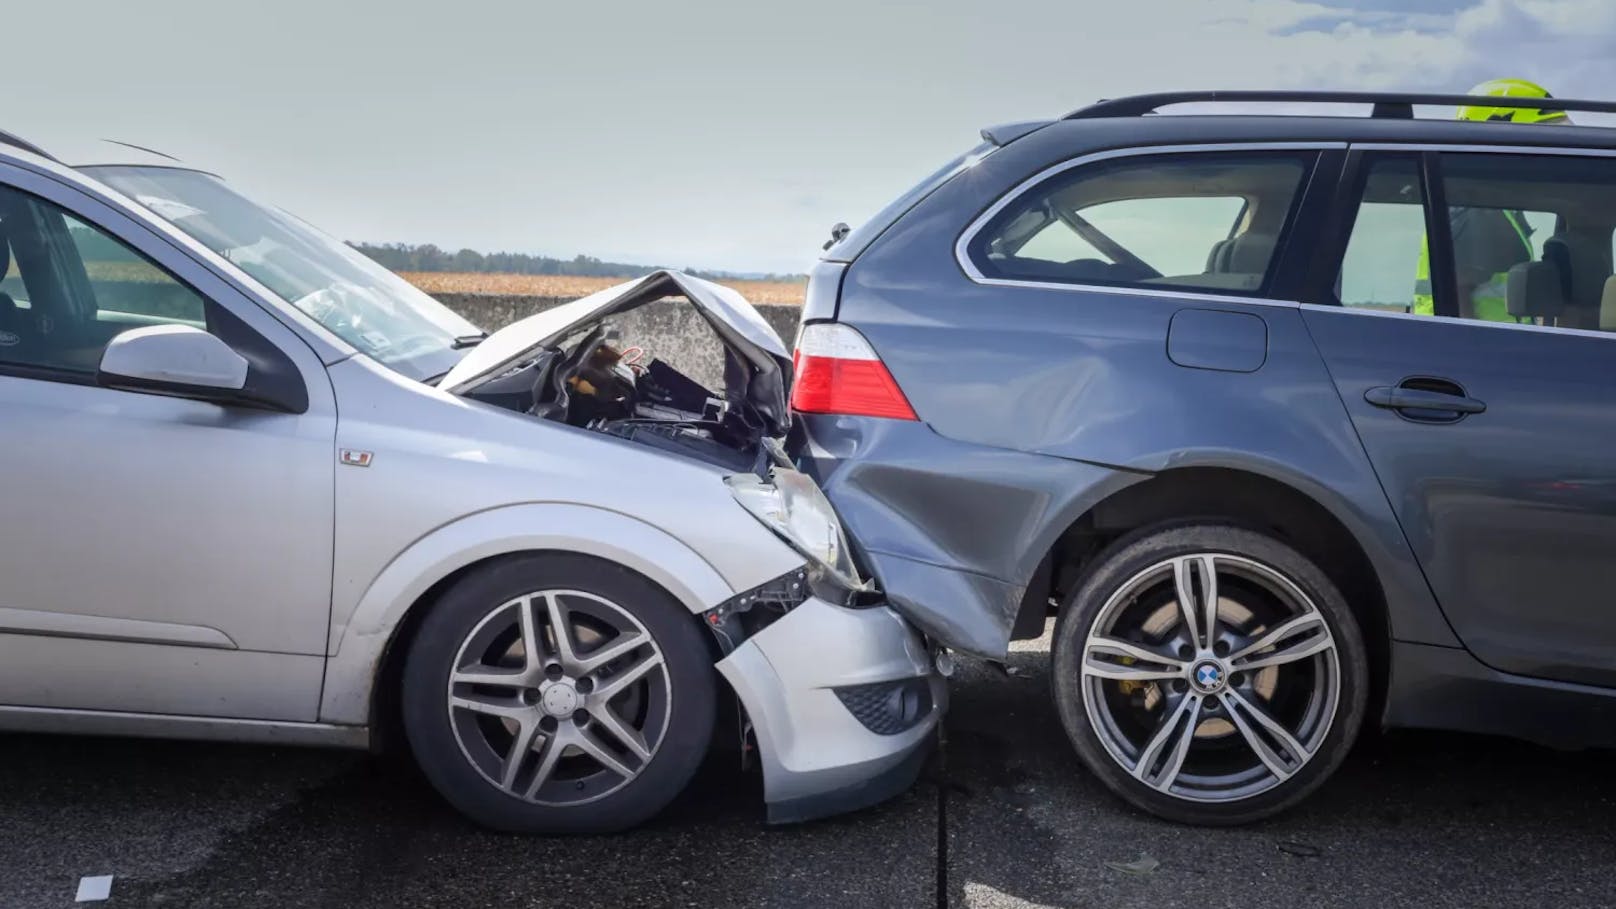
94, 888
1139, 867
1301, 849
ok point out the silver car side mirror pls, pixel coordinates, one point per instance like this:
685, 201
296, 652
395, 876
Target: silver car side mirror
173, 359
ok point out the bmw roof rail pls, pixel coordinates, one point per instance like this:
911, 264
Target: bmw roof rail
1385, 105
16, 141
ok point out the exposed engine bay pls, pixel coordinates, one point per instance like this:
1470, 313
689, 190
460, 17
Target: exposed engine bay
598, 383
577, 364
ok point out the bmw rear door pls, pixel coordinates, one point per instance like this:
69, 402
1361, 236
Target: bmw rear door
1495, 440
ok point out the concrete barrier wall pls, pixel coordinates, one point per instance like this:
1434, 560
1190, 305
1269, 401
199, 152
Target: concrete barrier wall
671, 329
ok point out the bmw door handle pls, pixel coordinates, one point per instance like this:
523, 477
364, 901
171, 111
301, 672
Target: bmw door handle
1426, 400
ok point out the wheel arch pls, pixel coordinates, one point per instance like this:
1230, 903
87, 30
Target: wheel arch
373, 640
1241, 497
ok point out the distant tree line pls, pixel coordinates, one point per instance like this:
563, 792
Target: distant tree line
428, 257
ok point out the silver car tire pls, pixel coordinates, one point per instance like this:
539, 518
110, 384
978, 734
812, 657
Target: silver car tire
525, 730
1228, 711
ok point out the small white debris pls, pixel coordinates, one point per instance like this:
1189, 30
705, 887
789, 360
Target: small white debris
94, 889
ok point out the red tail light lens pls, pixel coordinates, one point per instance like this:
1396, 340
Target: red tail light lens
837, 371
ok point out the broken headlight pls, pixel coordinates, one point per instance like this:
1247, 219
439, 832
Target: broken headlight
793, 506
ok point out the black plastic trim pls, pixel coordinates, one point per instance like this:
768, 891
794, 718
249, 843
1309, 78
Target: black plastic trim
1439, 237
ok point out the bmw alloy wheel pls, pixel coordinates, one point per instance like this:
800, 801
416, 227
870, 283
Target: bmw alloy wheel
1210, 677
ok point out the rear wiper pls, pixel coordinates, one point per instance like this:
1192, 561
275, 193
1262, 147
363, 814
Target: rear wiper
465, 341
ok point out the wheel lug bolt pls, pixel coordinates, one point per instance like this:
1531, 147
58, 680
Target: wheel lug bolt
1221, 648
530, 696
553, 671
584, 686
1185, 651
548, 724
1180, 686
580, 717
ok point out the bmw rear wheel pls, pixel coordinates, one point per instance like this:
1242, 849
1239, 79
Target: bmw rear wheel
555, 693
1209, 674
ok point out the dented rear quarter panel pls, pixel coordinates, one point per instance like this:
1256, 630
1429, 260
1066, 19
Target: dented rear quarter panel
1039, 402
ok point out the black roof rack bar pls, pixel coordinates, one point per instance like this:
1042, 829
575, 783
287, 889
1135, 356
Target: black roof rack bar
19, 142
1387, 105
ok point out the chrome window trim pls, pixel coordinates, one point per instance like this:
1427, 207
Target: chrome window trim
1195, 296
1540, 150
963, 259
1456, 320
1549, 150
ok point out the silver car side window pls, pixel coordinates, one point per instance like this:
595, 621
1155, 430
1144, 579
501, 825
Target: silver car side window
69, 287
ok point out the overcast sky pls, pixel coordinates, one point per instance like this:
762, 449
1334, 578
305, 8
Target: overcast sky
712, 134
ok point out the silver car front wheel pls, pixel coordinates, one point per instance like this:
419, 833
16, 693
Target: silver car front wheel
559, 697
559, 693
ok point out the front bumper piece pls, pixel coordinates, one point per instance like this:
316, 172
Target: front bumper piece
843, 702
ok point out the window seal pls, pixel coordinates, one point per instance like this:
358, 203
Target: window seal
1439, 237
39, 373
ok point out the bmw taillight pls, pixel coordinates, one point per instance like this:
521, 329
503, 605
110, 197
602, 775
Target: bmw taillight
837, 371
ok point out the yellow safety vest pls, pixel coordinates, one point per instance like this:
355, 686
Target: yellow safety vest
1490, 299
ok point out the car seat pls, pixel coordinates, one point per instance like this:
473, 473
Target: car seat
1584, 267
15, 326
1248, 254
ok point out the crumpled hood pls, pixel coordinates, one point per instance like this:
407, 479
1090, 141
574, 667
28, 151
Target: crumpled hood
731, 316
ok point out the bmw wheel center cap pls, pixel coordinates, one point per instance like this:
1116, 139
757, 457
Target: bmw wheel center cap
1208, 676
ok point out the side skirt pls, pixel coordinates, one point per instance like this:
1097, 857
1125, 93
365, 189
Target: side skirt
166, 726
1447, 688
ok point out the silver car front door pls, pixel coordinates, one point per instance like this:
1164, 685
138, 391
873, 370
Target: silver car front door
161, 554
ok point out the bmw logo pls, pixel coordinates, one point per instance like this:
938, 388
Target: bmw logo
1208, 676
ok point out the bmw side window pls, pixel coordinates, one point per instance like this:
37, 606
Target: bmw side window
1531, 238
1384, 266
69, 288
1207, 221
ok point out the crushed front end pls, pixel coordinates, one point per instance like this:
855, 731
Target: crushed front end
840, 694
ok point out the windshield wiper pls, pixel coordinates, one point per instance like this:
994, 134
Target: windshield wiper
465, 341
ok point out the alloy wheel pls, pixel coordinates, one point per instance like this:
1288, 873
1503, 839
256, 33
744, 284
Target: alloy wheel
559, 697
1210, 677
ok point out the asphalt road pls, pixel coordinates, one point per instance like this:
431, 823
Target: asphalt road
1005, 818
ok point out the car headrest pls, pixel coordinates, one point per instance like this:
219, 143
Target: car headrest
1584, 266
1607, 306
1248, 254
1535, 289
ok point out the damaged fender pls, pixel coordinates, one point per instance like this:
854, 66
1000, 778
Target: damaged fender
953, 531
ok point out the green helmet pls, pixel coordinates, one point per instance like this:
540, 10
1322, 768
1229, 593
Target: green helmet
1511, 88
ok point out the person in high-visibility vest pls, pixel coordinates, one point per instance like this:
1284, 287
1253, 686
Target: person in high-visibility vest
1487, 242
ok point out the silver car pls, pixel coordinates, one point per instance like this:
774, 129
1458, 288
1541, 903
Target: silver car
258, 488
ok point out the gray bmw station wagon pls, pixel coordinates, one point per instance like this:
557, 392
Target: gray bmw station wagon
1167, 377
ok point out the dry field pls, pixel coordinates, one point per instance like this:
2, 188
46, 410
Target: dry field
434, 282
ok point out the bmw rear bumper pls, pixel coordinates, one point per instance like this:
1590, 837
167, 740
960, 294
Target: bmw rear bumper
844, 704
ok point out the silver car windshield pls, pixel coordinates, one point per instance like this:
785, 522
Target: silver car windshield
358, 300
